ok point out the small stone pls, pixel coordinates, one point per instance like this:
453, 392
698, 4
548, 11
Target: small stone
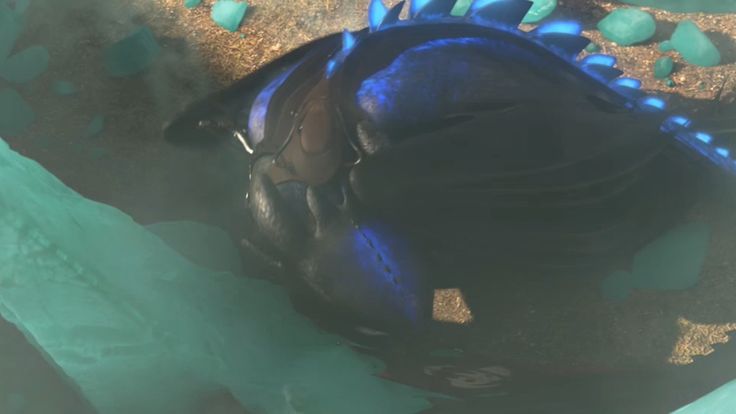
190, 4
228, 14
694, 46
666, 46
242, 35
133, 54
669, 82
25, 65
628, 26
592, 47
540, 10
64, 88
663, 67
15, 114
96, 125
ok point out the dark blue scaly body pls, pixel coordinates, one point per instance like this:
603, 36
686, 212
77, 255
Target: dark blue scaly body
379, 154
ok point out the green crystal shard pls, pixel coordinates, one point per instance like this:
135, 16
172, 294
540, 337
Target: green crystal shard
663, 67
138, 328
133, 54
540, 10
461, 7
592, 47
25, 65
190, 4
627, 26
669, 82
694, 46
688, 6
671, 262
15, 114
228, 14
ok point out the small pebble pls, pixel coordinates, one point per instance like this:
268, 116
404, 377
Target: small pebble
592, 47
669, 82
628, 26
64, 88
190, 4
665, 46
663, 67
96, 125
229, 14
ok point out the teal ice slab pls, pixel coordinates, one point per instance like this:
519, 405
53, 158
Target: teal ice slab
132, 55
15, 114
693, 45
229, 14
628, 26
672, 262
720, 401
25, 65
140, 329
688, 6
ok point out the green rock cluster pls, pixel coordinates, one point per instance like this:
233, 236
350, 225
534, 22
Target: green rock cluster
693, 45
663, 67
229, 14
139, 328
540, 10
132, 54
688, 6
628, 26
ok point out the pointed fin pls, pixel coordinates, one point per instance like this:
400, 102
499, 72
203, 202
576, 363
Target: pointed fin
504, 12
603, 72
393, 15
415, 6
376, 14
436, 8
569, 27
566, 45
348, 41
599, 59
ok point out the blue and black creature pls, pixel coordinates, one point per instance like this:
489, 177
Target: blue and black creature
381, 157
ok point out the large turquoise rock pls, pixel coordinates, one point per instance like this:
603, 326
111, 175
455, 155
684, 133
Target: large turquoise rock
688, 6
694, 46
720, 401
672, 262
138, 328
133, 54
663, 67
229, 14
628, 26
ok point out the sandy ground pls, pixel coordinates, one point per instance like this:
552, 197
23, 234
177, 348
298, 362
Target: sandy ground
129, 167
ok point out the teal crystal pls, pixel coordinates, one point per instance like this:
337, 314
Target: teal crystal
190, 4
693, 45
133, 54
25, 65
461, 7
15, 114
628, 26
540, 10
666, 46
592, 47
229, 14
671, 262
663, 67
688, 6
139, 328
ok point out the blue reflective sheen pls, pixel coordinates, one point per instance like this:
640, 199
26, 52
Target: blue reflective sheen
331, 65
348, 41
376, 13
378, 252
599, 59
479, 4
680, 120
565, 27
259, 108
628, 83
723, 152
704, 137
654, 102
416, 6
